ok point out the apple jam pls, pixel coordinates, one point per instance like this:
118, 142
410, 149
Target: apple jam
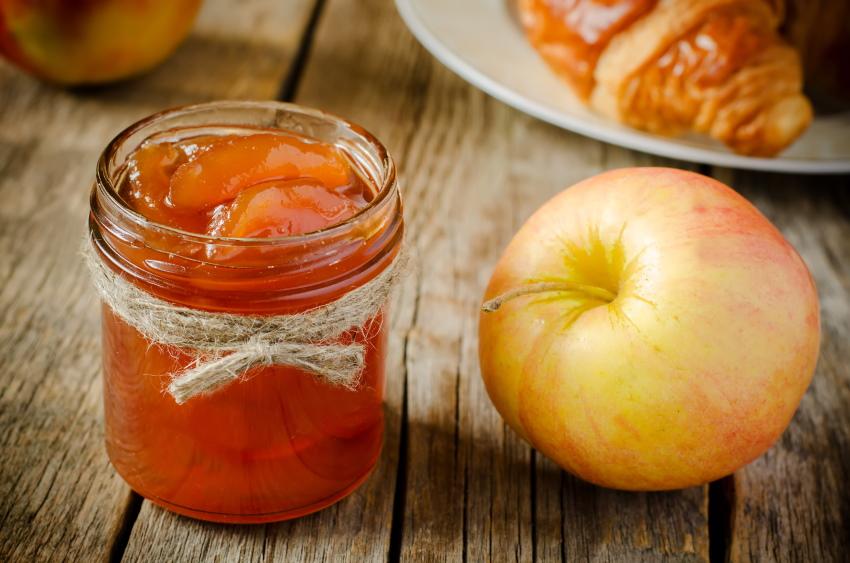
250, 209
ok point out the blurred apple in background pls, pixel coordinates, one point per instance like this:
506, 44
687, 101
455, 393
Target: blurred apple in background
649, 330
75, 42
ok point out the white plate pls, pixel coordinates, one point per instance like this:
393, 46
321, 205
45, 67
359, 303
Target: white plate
482, 42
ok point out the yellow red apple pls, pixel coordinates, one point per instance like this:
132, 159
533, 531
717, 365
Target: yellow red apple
75, 42
649, 329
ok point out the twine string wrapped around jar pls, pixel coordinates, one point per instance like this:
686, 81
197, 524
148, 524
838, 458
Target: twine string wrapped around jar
227, 345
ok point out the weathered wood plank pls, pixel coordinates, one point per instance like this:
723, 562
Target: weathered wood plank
635, 526
60, 497
792, 503
574, 520
472, 171
343, 76
59, 493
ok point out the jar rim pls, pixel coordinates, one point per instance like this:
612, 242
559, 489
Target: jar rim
387, 186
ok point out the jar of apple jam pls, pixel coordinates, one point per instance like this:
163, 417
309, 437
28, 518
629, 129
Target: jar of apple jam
253, 209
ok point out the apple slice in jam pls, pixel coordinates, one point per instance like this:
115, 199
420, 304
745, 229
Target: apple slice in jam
238, 162
281, 208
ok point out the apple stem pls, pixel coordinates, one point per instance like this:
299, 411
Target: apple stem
493, 305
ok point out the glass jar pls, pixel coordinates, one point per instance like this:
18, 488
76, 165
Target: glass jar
278, 443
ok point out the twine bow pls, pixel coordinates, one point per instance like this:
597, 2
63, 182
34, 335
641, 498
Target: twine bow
227, 345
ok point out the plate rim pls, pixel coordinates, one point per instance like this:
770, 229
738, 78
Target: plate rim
635, 140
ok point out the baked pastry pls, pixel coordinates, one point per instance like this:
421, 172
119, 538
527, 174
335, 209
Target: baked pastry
718, 67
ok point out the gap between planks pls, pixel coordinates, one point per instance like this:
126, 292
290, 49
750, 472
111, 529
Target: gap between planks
289, 86
400, 493
128, 520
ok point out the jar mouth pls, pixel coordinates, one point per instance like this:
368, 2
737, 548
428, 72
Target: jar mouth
382, 162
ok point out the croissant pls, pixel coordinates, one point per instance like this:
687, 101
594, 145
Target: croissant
718, 67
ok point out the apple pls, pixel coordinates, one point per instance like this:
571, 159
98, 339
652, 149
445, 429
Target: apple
74, 42
649, 329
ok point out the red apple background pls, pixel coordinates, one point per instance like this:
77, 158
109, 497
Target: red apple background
655, 331
74, 42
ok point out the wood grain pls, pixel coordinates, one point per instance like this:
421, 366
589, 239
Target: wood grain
60, 497
577, 521
792, 504
472, 171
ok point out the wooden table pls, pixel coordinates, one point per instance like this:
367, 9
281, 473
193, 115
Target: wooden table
453, 483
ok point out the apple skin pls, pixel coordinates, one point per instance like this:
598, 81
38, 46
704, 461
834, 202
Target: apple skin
78, 42
697, 365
